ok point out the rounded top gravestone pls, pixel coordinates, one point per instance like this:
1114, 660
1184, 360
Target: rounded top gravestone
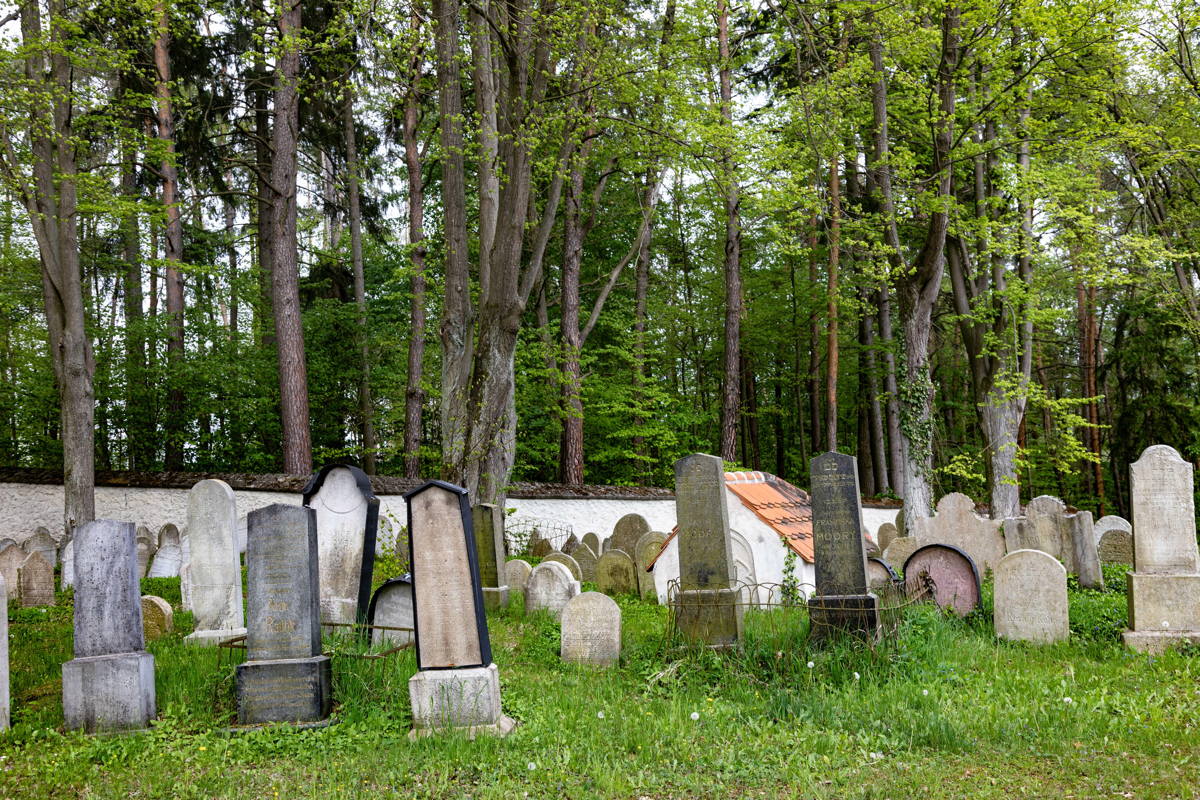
591, 630
886, 535
517, 571
648, 547
214, 569
1115, 547
568, 562
347, 524
1164, 513
36, 577
879, 574
1031, 598
900, 549
957, 524
392, 607
592, 541
954, 575
615, 573
585, 557
42, 542
158, 618
627, 531
550, 587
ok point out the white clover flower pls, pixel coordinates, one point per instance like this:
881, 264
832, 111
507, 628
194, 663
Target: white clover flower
925, 692
695, 715
856, 676
599, 715
532, 766
875, 756
811, 665
1166, 624
1068, 700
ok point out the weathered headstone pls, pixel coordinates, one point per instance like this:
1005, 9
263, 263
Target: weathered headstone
886, 535
36, 578
457, 686
570, 544
1083, 548
109, 685
488, 520
592, 541
551, 585
952, 573
707, 607
1164, 585
42, 542
616, 574
541, 548
146, 547
571, 564
67, 574
870, 546
214, 571
1114, 540
11, 559
285, 678
648, 547
1031, 598
158, 618
517, 571
1046, 529
4, 691
843, 600
591, 630
7, 541
627, 531
1111, 522
392, 607
879, 574
168, 559
606, 545
956, 524
586, 558
347, 525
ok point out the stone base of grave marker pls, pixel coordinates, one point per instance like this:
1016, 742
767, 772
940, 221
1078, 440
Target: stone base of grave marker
712, 616
213, 638
284, 690
109, 693
850, 613
495, 597
1164, 611
464, 700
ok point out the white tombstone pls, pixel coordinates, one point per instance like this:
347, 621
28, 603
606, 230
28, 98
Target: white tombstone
550, 587
345, 507
1031, 598
214, 571
392, 607
591, 630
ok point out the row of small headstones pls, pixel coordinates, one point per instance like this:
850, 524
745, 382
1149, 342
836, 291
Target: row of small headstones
618, 566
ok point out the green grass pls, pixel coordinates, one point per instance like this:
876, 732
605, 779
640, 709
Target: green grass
939, 709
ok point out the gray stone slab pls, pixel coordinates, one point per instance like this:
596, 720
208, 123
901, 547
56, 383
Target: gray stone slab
517, 571
392, 607
886, 535
705, 550
841, 559
67, 573
1030, 601
5, 708
570, 544
284, 690
551, 585
1083, 544
109, 692
568, 562
347, 527
591, 630
899, 550
214, 569
592, 541
488, 524
540, 548
586, 558
1164, 513
282, 564
465, 700
956, 524
1046, 528
1116, 547
630, 528
11, 559
616, 574
36, 578
42, 542
647, 548
147, 545
108, 608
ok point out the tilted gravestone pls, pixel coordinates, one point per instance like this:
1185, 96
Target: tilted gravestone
1114, 540
586, 558
1030, 601
67, 575
570, 544
158, 618
647, 548
11, 558
36, 578
4, 693
1048, 527
42, 542
616, 574
948, 573
285, 678
1084, 551
169, 557
457, 686
886, 535
1164, 585
551, 585
391, 614
7, 541
627, 531
707, 608
517, 571
592, 541
956, 524
146, 547
214, 571
843, 600
488, 520
571, 564
591, 630
541, 548
347, 525
109, 685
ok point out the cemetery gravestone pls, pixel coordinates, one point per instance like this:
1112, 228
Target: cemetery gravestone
36, 577
4, 691
627, 531
886, 535
592, 541
1045, 529
648, 547
517, 571
1083, 548
42, 542
145, 549
870, 546
591, 630
879, 574
606, 545
570, 544
1114, 540
541, 548
347, 525
169, 557
843, 600
214, 572
11, 559
7, 542
1031, 598
109, 685
956, 524
1164, 585
585, 557
488, 522
457, 686
67, 575
952, 573
285, 678
707, 607
158, 618
571, 564
392, 607
550, 587
616, 574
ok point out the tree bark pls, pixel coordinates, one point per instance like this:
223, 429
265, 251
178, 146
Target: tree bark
366, 407
571, 442
733, 250
285, 277
874, 411
414, 394
139, 426
831, 313
264, 196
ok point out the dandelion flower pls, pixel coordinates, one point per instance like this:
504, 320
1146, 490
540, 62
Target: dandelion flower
925, 692
695, 715
811, 665
599, 715
856, 676
1068, 700
203, 748
532, 766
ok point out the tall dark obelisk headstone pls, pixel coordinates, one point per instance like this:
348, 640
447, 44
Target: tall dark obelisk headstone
843, 600
456, 686
707, 608
285, 678
347, 527
109, 685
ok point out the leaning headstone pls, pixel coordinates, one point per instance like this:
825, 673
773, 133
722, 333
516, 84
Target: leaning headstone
146, 546
168, 559
886, 535
707, 607
36, 578
1111, 522
67, 574
616, 574
347, 525
109, 685
647, 548
517, 570
214, 572
880, 574
592, 541
11, 559
1083, 547
541, 548
956, 524
949, 574
488, 520
1114, 544
158, 618
585, 557
1031, 598
570, 544
843, 600
1046, 529
4, 694
551, 585
391, 614
571, 564
457, 686
1164, 585
627, 531
285, 678
591, 630
42, 542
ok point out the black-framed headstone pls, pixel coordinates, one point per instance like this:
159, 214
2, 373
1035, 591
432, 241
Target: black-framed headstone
347, 528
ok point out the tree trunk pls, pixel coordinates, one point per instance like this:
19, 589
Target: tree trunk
815, 429
366, 408
264, 197
571, 442
831, 313
414, 394
874, 411
231, 260
733, 250
289, 326
139, 427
